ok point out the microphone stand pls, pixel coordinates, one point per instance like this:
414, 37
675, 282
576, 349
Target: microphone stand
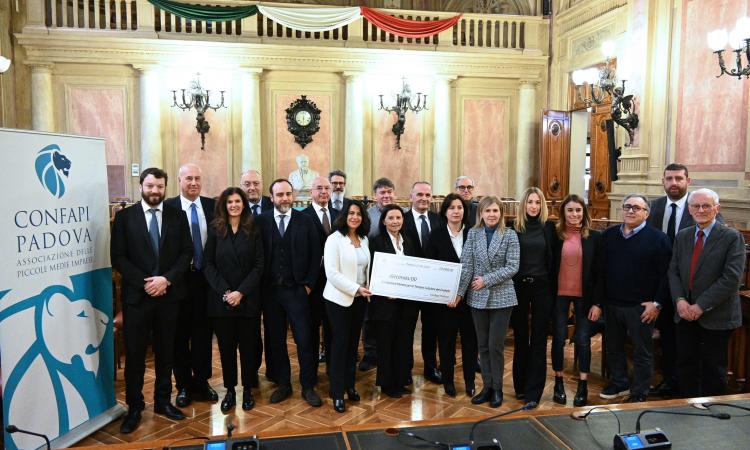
14, 429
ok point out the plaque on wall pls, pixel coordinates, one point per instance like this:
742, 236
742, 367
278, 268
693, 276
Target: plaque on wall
303, 120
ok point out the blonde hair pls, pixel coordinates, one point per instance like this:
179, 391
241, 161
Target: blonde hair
520, 223
484, 204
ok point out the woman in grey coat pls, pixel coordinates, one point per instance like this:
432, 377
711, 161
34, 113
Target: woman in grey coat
490, 258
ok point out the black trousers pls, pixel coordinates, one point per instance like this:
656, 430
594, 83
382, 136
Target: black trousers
582, 336
154, 319
233, 333
258, 356
428, 316
369, 338
701, 360
530, 340
320, 320
346, 323
624, 321
451, 322
668, 341
394, 341
192, 348
293, 304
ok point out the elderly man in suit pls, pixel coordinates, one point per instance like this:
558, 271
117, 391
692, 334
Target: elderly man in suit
419, 222
151, 248
323, 217
704, 278
293, 257
464, 187
192, 367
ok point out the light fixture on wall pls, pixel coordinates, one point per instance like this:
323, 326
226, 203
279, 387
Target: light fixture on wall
4, 64
739, 41
403, 104
200, 101
604, 86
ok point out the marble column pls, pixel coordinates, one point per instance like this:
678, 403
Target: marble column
152, 153
527, 135
251, 132
441, 156
42, 101
353, 135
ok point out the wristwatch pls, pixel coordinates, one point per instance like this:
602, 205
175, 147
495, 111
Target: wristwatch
657, 304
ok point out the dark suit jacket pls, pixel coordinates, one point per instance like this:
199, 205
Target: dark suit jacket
441, 248
333, 214
233, 264
343, 206
306, 248
717, 277
593, 286
656, 217
410, 228
382, 308
472, 213
133, 257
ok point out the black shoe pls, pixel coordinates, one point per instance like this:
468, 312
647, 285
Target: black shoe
482, 397
248, 401
559, 396
530, 405
582, 394
403, 390
391, 392
470, 389
366, 365
206, 393
339, 406
497, 398
254, 381
312, 397
433, 375
612, 391
636, 399
281, 393
230, 400
170, 411
131, 421
183, 398
352, 394
663, 389
450, 389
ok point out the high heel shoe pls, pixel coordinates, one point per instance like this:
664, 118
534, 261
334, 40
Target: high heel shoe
248, 401
558, 395
229, 401
338, 405
450, 389
352, 394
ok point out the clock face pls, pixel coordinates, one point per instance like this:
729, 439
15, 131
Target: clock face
303, 118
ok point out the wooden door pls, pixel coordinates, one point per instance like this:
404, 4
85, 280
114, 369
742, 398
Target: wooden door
555, 155
600, 184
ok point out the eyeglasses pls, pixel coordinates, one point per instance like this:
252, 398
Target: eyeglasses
701, 207
337, 183
465, 188
248, 184
634, 208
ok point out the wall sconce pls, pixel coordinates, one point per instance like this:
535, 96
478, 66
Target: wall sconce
404, 104
4, 64
603, 83
200, 101
739, 41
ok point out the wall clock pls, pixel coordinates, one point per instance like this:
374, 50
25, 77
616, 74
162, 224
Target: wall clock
303, 120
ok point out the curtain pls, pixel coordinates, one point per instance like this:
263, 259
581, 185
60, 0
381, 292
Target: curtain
311, 19
407, 28
206, 13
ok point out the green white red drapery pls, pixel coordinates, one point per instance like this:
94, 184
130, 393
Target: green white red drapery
407, 28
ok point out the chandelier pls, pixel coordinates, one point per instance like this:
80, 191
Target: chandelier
603, 85
403, 104
199, 99
739, 41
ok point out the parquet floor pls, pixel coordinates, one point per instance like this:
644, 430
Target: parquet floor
427, 401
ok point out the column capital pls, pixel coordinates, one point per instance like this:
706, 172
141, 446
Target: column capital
40, 67
445, 78
529, 83
352, 75
145, 68
254, 72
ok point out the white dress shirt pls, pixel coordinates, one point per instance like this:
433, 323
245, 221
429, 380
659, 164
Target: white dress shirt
319, 211
146, 207
668, 212
457, 240
398, 246
201, 217
418, 222
336, 196
287, 219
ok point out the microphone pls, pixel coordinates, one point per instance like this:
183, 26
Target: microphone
721, 416
14, 429
655, 438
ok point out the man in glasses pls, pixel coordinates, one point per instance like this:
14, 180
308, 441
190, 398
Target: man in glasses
464, 187
338, 200
635, 260
704, 277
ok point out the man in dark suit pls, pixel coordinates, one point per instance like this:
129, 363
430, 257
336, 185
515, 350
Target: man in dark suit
338, 201
704, 278
464, 187
292, 254
419, 222
323, 217
152, 249
192, 359
251, 182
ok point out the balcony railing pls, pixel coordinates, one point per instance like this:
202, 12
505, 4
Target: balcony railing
473, 31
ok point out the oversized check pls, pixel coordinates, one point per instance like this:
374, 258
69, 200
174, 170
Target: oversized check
410, 278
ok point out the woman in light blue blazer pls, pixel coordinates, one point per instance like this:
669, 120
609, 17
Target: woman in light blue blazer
490, 258
346, 259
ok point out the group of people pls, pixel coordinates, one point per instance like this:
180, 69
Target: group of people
247, 257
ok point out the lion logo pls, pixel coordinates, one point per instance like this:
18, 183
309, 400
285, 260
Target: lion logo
51, 165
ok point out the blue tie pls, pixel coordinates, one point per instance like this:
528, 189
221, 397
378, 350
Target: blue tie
153, 232
282, 228
424, 232
255, 209
197, 240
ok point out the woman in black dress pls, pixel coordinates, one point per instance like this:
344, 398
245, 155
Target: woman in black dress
233, 267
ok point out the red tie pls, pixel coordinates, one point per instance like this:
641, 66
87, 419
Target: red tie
696, 254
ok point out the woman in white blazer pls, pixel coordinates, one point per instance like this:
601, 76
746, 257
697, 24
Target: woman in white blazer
347, 263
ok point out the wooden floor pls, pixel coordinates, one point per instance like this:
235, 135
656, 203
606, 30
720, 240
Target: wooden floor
427, 401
